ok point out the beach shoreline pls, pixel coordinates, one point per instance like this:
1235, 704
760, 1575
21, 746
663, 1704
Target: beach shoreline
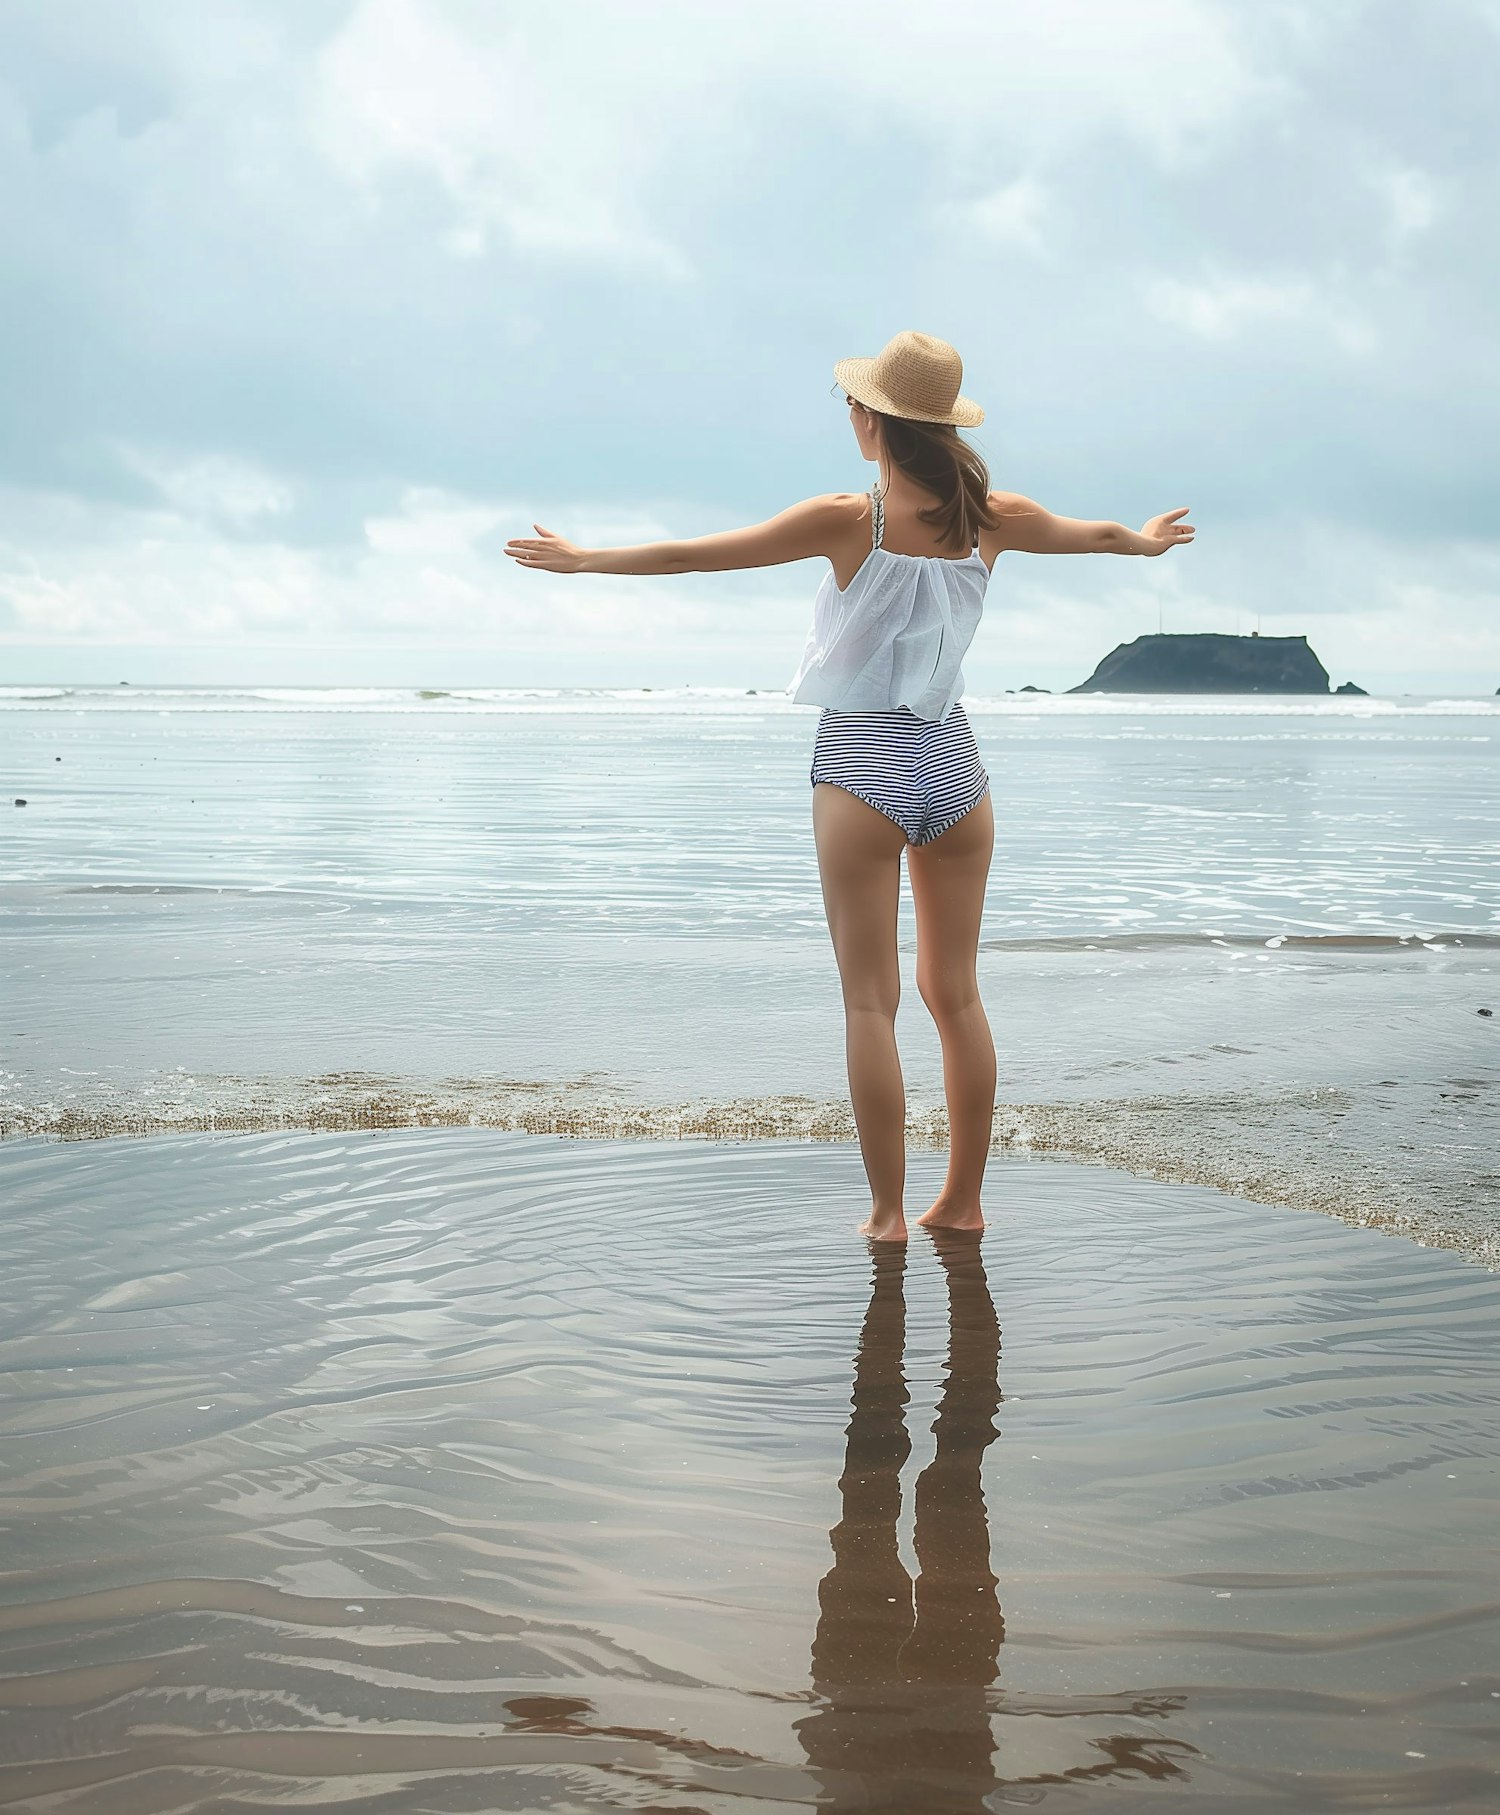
1216, 1142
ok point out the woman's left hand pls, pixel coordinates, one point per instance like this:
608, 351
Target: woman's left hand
552, 553
1166, 532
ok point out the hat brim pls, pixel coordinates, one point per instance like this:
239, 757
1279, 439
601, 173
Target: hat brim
855, 376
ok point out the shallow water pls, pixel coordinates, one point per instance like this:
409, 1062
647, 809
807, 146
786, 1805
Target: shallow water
688, 816
469, 1471
1244, 942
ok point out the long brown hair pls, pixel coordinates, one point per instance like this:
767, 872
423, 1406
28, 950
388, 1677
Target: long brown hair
936, 457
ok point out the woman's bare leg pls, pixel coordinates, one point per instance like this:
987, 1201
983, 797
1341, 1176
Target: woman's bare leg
947, 883
859, 860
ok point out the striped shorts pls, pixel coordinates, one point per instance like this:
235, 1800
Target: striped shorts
923, 774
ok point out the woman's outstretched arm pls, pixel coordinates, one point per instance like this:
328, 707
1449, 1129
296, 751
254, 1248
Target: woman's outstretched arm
811, 528
1032, 530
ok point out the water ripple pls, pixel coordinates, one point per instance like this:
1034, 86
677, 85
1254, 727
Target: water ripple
460, 1470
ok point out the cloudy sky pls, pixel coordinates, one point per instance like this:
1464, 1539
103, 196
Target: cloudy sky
307, 305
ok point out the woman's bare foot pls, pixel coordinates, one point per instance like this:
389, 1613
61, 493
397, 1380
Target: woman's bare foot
885, 1226
954, 1213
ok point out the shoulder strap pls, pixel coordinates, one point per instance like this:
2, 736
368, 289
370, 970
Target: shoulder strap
877, 516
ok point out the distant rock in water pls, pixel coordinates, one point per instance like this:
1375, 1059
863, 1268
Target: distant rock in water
1030, 689
1204, 662
1349, 687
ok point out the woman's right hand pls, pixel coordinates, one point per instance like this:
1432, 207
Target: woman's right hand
552, 553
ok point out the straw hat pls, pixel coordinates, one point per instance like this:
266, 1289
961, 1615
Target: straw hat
913, 375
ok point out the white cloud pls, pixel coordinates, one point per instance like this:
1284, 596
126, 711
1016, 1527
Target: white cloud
433, 522
1413, 201
520, 149
431, 573
1167, 74
1014, 215
1376, 610
434, 566
552, 131
1222, 306
216, 487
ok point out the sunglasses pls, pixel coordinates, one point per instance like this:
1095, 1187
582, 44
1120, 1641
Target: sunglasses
851, 401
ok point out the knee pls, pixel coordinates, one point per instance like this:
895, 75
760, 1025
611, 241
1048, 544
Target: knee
879, 1004
946, 993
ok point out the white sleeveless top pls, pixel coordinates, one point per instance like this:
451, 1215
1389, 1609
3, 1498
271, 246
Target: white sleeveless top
896, 635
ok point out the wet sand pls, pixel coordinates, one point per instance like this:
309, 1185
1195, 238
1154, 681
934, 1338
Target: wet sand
464, 1470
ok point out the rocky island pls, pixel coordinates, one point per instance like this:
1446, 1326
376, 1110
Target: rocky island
1204, 662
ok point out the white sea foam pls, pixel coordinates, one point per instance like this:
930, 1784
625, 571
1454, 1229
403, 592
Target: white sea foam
752, 701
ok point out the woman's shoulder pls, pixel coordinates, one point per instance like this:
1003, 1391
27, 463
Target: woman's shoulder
835, 518
1007, 510
829, 510
849, 507
1011, 504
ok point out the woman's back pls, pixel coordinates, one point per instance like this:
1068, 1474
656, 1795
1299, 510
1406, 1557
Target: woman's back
897, 634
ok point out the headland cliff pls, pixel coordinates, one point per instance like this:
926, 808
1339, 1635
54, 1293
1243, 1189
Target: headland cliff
1203, 662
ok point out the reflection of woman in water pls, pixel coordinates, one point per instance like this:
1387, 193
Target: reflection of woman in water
904, 1674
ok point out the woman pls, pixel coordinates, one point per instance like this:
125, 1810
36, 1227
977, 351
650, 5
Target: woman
895, 766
